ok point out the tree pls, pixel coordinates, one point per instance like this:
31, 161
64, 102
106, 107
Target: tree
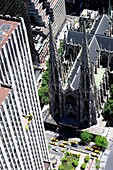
87, 158
64, 159
83, 166
75, 163
101, 141
97, 167
86, 137
60, 167
43, 95
108, 109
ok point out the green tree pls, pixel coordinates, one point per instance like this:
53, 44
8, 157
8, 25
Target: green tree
67, 153
60, 167
87, 158
111, 92
97, 167
101, 141
43, 95
75, 163
83, 166
108, 109
86, 137
64, 159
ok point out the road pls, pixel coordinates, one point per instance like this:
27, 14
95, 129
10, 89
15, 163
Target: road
49, 135
109, 163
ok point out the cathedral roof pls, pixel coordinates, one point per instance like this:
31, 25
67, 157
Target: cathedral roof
103, 26
98, 38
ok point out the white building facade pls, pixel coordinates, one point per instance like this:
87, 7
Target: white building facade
22, 138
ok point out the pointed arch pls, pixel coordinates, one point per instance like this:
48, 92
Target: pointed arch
71, 115
71, 100
104, 58
86, 106
85, 123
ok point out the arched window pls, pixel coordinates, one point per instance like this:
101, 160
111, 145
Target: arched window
104, 58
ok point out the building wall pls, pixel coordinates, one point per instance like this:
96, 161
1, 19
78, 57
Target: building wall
24, 149
19, 8
59, 16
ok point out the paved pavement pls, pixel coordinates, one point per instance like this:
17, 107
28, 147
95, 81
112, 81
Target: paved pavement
109, 163
58, 155
107, 156
106, 159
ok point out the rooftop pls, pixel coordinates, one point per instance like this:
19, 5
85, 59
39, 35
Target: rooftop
86, 12
3, 93
6, 28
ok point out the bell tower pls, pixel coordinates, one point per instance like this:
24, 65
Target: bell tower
86, 88
55, 88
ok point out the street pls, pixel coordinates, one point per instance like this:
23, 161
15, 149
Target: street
58, 154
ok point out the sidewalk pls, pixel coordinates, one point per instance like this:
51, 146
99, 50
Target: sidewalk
108, 132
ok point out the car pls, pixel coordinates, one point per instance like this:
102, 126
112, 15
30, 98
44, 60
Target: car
54, 139
96, 147
74, 141
62, 145
94, 154
81, 150
55, 149
74, 145
53, 143
88, 148
96, 151
66, 143
63, 150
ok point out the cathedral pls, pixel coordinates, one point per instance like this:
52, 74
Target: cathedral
79, 78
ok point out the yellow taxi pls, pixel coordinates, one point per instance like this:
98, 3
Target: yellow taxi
74, 141
88, 148
96, 151
63, 150
62, 145
54, 139
96, 147
94, 154
53, 143
66, 143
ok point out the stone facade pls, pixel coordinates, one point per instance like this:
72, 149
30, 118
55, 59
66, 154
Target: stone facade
83, 80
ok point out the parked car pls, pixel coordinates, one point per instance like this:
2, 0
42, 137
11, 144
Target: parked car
96, 147
55, 149
74, 145
74, 141
88, 148
96, 151
53, 143
66, 143
94, 154
54, 139
62, 145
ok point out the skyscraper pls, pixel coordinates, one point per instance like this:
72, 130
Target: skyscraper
18, 9
22, 138
40, 11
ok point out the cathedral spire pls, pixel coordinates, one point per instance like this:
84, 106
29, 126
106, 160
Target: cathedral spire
109, 9
55, 93
86, 88
85, 63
